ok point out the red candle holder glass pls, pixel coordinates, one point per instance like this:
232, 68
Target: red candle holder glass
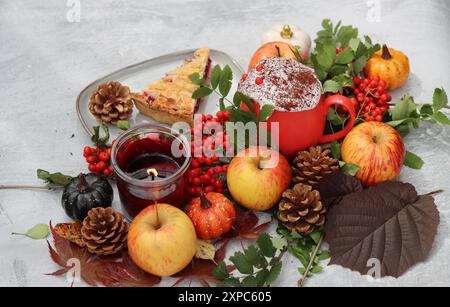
150, 162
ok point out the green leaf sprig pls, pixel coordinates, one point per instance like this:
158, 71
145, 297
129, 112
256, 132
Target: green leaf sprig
406, 114
259, 265
307, 249
336, 70
37, 232
57, 179
220, 83
123, 125
100, 137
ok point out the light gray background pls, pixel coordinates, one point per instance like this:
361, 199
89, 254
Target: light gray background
45, 61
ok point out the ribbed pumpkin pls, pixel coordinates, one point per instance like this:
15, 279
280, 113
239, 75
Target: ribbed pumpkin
390, 65
212, 215
85, 192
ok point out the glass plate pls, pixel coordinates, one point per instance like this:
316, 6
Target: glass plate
139, 75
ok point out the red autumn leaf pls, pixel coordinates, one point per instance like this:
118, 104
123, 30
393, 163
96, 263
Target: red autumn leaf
245, 225
199, 270
125, 274
118, 271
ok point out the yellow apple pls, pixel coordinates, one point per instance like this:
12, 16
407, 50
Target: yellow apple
162, 240
377, 149
257, 176
272, 50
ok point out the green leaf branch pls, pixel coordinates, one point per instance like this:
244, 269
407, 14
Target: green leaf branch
259, 265
337, 69
221, 82
307, 249
406, 113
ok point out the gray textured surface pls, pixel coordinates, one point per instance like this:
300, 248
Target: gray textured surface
46, 60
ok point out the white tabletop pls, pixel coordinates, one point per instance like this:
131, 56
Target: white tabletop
46, 58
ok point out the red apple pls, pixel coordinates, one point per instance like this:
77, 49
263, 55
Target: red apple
257, 176
377, 149
272, 50
162, 240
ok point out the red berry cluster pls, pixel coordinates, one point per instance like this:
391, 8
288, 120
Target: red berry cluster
370, 98
99, 160
204, 180
207, 172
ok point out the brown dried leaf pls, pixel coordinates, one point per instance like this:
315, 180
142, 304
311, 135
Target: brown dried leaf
335, 186
71, 232
117, 271
388, 222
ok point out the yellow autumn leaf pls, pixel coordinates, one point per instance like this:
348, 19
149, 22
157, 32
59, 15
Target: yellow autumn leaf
205, 250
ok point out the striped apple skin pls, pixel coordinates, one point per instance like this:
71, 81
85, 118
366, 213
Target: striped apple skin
378, 150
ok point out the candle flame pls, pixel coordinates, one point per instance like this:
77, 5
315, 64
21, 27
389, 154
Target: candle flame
152, 172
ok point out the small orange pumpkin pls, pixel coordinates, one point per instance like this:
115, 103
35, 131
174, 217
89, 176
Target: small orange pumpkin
212, 215
390, 65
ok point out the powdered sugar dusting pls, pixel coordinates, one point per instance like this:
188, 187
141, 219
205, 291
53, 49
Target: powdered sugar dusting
287, 85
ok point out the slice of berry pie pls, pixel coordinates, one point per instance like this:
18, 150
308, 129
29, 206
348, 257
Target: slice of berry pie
169, 99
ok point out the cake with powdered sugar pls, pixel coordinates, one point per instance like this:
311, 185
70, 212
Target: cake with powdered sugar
284, 83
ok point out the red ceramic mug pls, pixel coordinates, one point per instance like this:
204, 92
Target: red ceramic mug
300, 107
301, 129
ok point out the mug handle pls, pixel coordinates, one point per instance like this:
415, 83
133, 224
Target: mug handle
344, 102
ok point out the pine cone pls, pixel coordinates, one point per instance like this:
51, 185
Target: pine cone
111, 102
300, 209
104, 231
309, 166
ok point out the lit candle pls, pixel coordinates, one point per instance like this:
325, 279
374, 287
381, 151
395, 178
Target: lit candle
146, 170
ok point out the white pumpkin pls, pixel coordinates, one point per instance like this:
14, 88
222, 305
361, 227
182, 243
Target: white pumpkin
292, 35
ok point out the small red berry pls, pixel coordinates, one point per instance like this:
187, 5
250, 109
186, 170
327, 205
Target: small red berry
244, 76
103, 156
259, 80
196, 181
106, 172
259, 68
208, 161
92, 168
206, 178
218, 184
360, 97
378, 118
87, 151
356, 80
209, 188
92, 159
110, 167
195, 164
101, 165
192, 191
211, 171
